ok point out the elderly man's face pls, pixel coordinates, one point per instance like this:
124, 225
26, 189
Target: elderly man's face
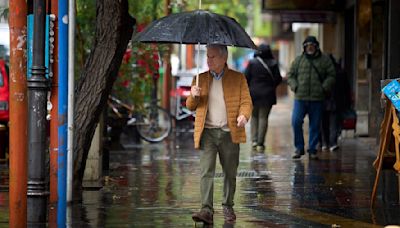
216, 61
310, 49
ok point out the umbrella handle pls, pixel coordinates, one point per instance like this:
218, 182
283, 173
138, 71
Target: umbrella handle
198, 61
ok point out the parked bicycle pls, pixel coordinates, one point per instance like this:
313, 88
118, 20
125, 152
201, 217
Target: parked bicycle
153, 124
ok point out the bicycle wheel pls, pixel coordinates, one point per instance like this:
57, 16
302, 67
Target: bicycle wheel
154, 124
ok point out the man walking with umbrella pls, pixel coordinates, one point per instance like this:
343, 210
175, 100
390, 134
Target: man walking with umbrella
221, 98
223, 106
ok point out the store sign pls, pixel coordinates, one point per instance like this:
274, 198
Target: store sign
310, 11
308, 16
330, 5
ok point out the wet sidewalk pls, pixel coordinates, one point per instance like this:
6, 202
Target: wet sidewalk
157, 185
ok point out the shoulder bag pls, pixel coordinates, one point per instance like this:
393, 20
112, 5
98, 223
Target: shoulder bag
266, 67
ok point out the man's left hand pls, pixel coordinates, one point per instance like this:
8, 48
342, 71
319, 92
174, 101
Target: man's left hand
241, 121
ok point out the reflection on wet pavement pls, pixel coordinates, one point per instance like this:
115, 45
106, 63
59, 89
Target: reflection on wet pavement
157, 185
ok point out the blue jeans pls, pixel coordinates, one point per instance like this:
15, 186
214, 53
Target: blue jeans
314, 111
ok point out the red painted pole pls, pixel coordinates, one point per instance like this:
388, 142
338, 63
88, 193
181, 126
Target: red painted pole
167, 67
54, 125
18, 114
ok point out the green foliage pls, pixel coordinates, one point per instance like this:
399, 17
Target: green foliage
236, 9
261, 28
134, 81
146, 11
4, 12
85, 31
131, 86
141, 61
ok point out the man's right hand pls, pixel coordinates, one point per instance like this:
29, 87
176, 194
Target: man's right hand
195, 91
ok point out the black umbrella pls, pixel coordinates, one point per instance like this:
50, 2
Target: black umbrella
196, 27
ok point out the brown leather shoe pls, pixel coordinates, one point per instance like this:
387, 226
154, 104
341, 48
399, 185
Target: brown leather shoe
203, 216
229, 214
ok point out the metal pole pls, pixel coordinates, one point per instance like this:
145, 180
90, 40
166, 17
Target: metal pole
18, 114
37, 123
198, 64
71, 98
54, 125
62, 111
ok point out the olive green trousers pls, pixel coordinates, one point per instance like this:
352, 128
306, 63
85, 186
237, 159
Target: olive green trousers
216, 141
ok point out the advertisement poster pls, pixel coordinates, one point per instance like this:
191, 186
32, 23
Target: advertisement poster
392, 91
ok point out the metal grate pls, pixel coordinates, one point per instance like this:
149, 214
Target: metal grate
242, 174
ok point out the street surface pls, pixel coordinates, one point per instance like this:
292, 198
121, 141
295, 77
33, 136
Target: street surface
157, 185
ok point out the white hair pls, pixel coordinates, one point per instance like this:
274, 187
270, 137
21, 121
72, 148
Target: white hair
222, 49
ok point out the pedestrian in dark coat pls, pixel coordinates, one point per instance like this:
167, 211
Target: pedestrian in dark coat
263, 77
335, 105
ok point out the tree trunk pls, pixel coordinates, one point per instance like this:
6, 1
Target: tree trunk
114, 28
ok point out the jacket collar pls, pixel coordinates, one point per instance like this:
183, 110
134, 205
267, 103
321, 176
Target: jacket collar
220, 75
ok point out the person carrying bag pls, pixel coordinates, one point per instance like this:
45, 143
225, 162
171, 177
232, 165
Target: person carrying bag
263, 76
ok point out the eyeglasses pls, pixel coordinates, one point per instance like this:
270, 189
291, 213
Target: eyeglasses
309, 43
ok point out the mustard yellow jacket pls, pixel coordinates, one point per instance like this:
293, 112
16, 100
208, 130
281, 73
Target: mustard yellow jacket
237, 101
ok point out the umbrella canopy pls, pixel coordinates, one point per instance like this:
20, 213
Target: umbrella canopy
196, 27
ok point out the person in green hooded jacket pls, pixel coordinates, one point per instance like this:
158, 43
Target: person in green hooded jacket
311, 77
